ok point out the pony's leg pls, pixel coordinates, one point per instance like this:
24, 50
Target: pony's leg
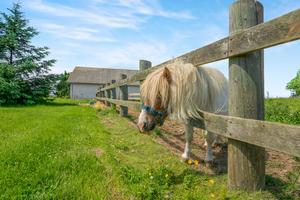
188, 137
209, 140
204, 134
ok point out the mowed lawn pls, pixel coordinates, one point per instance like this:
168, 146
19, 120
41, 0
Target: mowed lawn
65, 151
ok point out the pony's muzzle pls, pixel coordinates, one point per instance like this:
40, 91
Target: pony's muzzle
144, 126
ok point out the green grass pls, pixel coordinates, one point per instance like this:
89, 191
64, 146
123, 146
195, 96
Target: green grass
284, 110
64, 151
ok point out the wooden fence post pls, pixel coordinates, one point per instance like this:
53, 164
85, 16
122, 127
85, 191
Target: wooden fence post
98, 92
143, 65
113, 94
102, 92
107, 95
123, 96
246, 162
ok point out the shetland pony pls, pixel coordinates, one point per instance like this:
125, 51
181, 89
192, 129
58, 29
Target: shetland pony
181, 90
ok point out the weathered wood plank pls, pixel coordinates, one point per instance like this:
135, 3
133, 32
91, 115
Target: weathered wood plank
246, 99
134, 105
278, 31
279, 137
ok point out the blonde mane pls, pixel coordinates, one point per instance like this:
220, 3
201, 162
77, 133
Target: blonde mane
191, 90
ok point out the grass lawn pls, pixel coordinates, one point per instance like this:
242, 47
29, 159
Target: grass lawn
65, 151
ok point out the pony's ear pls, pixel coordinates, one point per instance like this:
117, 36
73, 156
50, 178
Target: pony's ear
167, 74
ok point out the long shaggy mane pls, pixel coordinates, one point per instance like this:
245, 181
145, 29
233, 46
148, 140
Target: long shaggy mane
191, 90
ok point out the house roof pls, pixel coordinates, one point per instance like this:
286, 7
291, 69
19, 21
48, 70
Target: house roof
92, 75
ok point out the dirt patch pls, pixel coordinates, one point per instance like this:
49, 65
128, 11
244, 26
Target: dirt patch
107, 121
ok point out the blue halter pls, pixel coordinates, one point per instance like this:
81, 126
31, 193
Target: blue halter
154, 112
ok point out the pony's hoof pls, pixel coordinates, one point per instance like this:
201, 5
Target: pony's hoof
184, 157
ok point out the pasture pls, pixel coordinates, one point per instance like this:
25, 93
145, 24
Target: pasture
64, 151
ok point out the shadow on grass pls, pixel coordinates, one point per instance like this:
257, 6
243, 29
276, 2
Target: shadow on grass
281, 189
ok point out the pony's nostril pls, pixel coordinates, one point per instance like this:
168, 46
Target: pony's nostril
152, 126
142, 127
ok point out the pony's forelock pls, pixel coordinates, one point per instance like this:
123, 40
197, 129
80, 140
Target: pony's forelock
156, 85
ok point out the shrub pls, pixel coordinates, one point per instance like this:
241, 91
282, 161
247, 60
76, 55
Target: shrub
280, 110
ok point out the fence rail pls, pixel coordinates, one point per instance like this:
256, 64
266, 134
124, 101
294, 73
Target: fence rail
247, 137
275, 32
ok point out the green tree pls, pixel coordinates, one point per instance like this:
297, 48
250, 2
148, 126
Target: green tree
24, 69
63, 87
294, 85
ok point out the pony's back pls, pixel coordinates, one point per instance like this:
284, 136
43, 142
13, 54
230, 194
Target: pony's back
217, 89
196, 88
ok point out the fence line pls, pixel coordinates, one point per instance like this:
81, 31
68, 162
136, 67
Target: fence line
247, 137
279, 137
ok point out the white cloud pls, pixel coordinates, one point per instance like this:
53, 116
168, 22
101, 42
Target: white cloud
128, 54
88, 16
146, 7
112, 14
75, 33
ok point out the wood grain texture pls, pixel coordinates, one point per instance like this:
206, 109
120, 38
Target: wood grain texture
276, 136
278, 31
246, 162
144, 64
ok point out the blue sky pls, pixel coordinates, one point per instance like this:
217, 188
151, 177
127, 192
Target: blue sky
117, 33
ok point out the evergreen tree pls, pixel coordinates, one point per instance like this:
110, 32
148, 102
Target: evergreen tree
24, 70
294, 85
63, 87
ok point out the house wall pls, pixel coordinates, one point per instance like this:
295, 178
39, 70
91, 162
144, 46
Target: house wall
83, 91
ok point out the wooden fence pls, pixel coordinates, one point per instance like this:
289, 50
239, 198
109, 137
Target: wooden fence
247, 134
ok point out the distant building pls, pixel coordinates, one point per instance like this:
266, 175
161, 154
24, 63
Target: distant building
84, 81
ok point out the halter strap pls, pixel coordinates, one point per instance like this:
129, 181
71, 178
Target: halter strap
154, 112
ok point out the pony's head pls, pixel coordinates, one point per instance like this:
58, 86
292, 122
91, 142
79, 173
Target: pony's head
155, 92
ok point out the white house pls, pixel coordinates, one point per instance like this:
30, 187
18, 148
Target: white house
84, 81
